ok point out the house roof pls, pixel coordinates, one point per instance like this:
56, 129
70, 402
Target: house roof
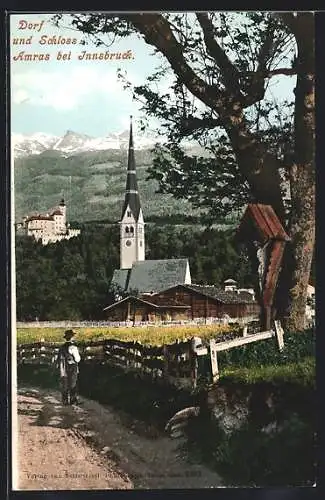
126, 299
39, 217
226, 297
218, 294
163, 301
146, 302
57, 212
265, 221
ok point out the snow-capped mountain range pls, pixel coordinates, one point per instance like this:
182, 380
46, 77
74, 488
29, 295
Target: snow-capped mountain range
73, 142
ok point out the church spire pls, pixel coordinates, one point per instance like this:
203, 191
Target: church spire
132, 198
132, 242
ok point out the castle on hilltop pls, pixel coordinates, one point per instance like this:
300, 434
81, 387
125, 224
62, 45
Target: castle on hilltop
48, 227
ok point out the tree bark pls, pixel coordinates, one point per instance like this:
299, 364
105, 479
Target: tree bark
259, 167
299, 255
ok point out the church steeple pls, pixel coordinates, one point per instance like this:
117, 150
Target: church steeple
132, 223
132, 198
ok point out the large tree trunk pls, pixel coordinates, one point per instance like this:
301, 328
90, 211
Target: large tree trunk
299, 254
260, 168
262, 173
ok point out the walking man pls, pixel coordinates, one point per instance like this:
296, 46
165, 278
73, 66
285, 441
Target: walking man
68, 359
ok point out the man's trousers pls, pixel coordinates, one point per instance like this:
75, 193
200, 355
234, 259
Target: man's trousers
69, 384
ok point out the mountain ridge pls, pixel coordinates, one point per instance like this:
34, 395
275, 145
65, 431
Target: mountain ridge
92, 183
74, 142
91, 174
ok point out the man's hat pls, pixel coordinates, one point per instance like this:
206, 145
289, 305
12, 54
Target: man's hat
68, 334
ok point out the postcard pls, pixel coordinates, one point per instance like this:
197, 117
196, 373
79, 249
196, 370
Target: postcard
163, 270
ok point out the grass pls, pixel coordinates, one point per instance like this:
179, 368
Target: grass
297, 346
153, 335
302, 372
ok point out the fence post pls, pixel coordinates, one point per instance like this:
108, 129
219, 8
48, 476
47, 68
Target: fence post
166, 367
279, 334
194, 362
245, 330
214, 362
176, 359
103, 353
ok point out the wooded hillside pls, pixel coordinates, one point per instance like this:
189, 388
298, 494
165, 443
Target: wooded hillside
70, 279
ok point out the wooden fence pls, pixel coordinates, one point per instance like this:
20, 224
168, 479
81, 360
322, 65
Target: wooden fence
117, 324
177, 364
173, 362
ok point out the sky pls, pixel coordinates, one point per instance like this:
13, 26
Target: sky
53, 96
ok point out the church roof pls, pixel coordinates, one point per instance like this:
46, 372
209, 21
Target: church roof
132, 198
157, 275
151, 275
120, 278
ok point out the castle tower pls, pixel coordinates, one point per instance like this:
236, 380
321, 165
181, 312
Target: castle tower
132, 247
63, 210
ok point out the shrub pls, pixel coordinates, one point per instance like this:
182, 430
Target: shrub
283, 458
297, 346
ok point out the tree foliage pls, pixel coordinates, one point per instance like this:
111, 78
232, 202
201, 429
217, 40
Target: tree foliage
250, 48
220, 67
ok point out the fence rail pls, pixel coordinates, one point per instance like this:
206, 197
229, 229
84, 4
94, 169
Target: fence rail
117, 324
176, 363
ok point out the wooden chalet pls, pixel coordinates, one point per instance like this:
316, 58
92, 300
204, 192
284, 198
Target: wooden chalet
140, 309
208, 301
184, 302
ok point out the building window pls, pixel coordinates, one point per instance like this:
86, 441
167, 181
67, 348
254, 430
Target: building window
127, 229
140, 243
128, 243
129, 213
132, 229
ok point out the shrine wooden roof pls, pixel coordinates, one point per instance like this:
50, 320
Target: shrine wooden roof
265, 220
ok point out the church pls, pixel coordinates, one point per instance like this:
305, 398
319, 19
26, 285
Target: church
160, 290
137, 275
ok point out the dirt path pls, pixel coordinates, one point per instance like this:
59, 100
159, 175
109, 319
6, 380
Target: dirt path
96, 447
52, 454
